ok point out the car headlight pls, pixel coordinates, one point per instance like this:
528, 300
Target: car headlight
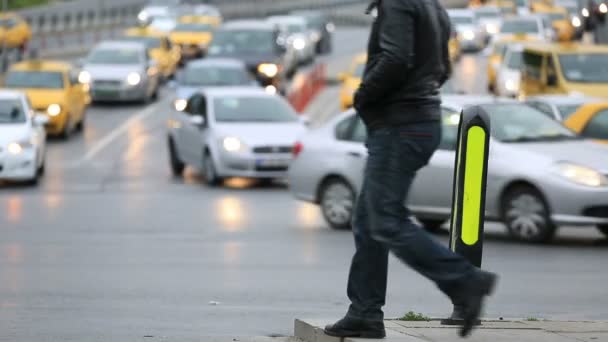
133, 79
576, 22
233, 144
581, 175
53, 110
603, 8
468, 35
16, 148
492, 28
180, 105
270, 89
84, 77
511, 85
268, 69
299, 43
330, 27
585, 12
143, 16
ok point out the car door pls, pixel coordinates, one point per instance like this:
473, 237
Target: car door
192, 134
350, 150
431, 192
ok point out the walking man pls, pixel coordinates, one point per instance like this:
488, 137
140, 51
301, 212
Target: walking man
399, 102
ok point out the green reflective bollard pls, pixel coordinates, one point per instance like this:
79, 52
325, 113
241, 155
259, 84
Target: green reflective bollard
469, 191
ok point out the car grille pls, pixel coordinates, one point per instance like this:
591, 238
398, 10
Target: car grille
598, 211
271, 168
107, 83
273, 149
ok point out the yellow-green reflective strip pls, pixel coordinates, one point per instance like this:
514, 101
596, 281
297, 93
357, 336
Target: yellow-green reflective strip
473, 174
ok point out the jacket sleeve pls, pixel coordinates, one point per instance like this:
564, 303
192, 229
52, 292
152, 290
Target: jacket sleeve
390, 67
446, 27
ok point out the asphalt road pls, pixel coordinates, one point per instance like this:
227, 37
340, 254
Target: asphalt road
110, 247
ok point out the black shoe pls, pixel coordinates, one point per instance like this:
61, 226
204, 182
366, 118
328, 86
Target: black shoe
352, 327
473, 302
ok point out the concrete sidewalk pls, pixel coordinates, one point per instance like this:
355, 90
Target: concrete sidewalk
489, 331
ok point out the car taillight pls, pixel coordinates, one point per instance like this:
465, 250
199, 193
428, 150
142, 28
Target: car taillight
297, 148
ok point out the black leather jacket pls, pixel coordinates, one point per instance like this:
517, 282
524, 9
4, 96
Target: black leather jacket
408, 61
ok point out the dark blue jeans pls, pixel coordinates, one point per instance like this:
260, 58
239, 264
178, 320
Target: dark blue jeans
382, 223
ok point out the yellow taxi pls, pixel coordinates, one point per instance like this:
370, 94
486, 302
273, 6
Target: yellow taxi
53, 88
213, 20
560, 20
351, 80
541, 5
14, 31
192, 38
590, 121
166, 55
565, 68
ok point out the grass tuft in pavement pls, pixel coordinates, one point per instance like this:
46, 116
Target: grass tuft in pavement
415, 317
532, 319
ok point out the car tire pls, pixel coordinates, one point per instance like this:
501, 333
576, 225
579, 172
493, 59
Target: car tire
67, 130
337, 201
210, 171
527, 215
603, 228
177, 166
432, 225
80, 125
155, 94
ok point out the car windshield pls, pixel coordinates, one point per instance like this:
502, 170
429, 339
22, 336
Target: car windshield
487, 14
215, 76
242, 41
515, 122
8, 22
557, 16
11, 111
567, 110
514, 60
164, 24
462, 20
519, 26
193, 28
149, 42
34, 79
252, 109
359, 70
114, 56
585, 68
521, 3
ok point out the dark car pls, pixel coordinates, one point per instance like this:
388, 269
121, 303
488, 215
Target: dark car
255, 43
320, 27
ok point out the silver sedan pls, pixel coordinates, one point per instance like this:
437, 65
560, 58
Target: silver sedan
120, 71
540, 174
233, 132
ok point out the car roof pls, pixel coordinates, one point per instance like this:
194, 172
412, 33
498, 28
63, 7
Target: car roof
461, 101
7, 94
212, 61
564, 100
248, 24
42, 65
236, 91
570, 48
120, 44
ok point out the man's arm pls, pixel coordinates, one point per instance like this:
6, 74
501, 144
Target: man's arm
396, 34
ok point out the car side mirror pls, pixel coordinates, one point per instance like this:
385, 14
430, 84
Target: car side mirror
40, 119
198, 120
551, 80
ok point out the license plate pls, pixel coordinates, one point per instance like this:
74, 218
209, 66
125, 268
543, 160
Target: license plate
106, 93
271, 162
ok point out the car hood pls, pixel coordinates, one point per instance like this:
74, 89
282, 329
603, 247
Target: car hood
581, 152
42, 98
111, 71
12, 133
250, 59
262, 134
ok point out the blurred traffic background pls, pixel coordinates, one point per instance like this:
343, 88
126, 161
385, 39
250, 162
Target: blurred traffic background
187, 168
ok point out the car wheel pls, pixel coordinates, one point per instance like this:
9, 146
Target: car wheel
155, 94
80, 125
67, 130
177, 166
603, 228
211, 176
337, 200
527, 216
432, 226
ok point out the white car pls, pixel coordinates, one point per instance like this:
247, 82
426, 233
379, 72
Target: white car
532, 27
508, 78
471, 35
233, 132
157, 8
22, 138
490, 19
295, 32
